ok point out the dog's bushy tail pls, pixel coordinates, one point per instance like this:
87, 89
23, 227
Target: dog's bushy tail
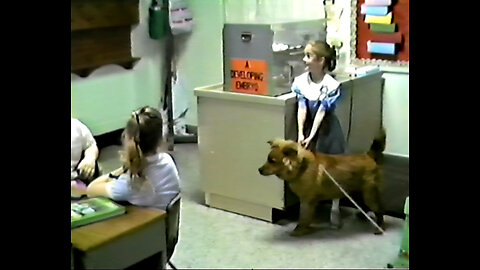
378, 146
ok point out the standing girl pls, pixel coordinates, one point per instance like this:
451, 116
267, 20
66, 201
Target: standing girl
317, 92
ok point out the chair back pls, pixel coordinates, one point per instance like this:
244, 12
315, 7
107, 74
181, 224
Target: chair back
172, 224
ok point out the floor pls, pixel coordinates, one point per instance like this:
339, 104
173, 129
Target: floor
212, 238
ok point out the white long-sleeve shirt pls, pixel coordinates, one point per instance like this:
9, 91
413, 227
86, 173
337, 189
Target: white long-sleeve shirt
81, 139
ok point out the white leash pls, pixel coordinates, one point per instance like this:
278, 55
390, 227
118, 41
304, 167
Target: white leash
350, 198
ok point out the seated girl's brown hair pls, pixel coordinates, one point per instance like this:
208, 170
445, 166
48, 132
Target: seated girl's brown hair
142, 135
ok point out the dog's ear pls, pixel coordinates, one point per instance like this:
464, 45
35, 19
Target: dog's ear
273, 143
290, 150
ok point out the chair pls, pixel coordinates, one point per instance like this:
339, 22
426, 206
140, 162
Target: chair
172, 226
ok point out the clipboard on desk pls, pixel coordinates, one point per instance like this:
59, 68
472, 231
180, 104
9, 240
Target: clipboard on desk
92, 210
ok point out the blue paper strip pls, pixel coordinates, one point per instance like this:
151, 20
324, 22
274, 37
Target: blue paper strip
377, 11
381, 47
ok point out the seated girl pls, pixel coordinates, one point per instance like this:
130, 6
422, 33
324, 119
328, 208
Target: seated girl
148, 177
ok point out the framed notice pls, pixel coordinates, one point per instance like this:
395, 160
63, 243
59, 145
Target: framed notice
380, 32
249, 76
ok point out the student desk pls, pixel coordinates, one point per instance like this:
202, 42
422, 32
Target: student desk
120, 242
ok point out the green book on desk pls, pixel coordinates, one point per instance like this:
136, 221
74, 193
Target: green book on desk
92, 210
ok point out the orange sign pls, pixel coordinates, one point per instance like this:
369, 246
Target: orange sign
249, 76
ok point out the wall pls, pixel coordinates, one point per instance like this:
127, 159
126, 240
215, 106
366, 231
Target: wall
396, 111
201, 59
105, 99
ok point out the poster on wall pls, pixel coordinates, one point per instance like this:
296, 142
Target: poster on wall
380, 32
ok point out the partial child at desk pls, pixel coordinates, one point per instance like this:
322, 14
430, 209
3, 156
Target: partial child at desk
84, 155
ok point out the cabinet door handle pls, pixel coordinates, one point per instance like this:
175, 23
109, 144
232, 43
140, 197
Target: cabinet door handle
246, 36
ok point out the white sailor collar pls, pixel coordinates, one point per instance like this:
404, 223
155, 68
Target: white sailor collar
312, 90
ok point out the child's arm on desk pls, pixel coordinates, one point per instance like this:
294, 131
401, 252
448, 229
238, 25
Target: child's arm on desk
113, 185
98, 187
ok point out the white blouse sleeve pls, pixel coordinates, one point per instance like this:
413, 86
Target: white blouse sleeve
87, 137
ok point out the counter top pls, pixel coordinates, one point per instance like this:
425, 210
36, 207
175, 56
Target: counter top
216, 91
346, 78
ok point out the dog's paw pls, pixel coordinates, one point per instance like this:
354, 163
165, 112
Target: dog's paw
301, 230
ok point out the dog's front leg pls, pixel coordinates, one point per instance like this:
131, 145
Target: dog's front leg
307, 211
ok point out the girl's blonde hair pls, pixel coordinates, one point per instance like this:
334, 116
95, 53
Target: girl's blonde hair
322, 49
143, 136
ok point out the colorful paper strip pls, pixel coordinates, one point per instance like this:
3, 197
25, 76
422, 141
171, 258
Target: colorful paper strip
380, 47
383, 28
389, 38
374, 10
378, 2
379, 19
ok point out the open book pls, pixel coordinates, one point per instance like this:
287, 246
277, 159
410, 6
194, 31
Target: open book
92, 210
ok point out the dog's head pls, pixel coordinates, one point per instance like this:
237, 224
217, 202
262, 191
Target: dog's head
283, 160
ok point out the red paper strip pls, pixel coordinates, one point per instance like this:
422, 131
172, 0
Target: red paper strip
389, 38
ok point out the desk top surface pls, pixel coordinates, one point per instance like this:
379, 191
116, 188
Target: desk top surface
93, 235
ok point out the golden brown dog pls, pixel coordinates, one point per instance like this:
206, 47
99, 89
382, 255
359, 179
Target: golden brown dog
304, 173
